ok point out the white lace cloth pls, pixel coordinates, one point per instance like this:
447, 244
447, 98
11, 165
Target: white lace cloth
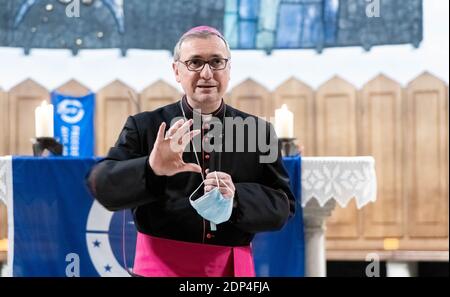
5, 178
339, 178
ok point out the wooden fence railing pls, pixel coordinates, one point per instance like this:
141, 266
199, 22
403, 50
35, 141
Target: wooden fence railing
404, 128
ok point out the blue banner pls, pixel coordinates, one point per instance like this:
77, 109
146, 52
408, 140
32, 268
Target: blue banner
74, 123
56, 228
282, 253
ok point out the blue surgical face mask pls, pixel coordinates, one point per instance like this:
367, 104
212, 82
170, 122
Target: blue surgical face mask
212, 206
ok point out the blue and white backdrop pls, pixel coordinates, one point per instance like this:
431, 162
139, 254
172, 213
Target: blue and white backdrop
56, 228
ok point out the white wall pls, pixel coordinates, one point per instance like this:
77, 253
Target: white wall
96, 68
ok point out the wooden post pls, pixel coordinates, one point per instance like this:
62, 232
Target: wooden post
113, 105
336, 136
299, 98
380, 136
157, 95
426, 158
22, 101
252, 98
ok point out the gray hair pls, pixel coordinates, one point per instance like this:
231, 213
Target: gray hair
204, 34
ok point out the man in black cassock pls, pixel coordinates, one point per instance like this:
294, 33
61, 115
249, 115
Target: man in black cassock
147, 173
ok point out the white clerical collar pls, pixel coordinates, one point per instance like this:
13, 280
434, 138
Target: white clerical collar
206, 117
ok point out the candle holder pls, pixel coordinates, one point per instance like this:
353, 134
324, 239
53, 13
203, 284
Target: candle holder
288, 147
40, 144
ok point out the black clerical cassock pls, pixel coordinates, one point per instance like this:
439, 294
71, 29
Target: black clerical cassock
160, 205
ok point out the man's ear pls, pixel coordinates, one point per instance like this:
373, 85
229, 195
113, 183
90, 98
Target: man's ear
175, 71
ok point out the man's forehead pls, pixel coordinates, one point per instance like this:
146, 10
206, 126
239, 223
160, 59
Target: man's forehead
203, 47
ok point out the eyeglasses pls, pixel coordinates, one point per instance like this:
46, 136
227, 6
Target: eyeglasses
197, 65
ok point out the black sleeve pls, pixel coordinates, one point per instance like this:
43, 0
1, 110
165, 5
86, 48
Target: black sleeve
266, 205
124, 179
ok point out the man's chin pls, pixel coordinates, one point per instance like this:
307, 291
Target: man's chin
207, 98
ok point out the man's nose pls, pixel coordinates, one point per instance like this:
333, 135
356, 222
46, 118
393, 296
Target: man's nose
206, 72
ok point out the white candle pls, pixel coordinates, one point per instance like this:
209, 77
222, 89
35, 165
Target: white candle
44, 120
284, 122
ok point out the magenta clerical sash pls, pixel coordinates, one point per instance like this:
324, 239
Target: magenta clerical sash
160, 257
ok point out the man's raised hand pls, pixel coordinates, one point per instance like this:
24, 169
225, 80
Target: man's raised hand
166, 157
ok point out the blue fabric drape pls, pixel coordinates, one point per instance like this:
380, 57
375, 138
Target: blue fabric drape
282, 253
54, 219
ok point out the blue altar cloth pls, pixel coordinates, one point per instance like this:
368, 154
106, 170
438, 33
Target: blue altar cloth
56, 228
